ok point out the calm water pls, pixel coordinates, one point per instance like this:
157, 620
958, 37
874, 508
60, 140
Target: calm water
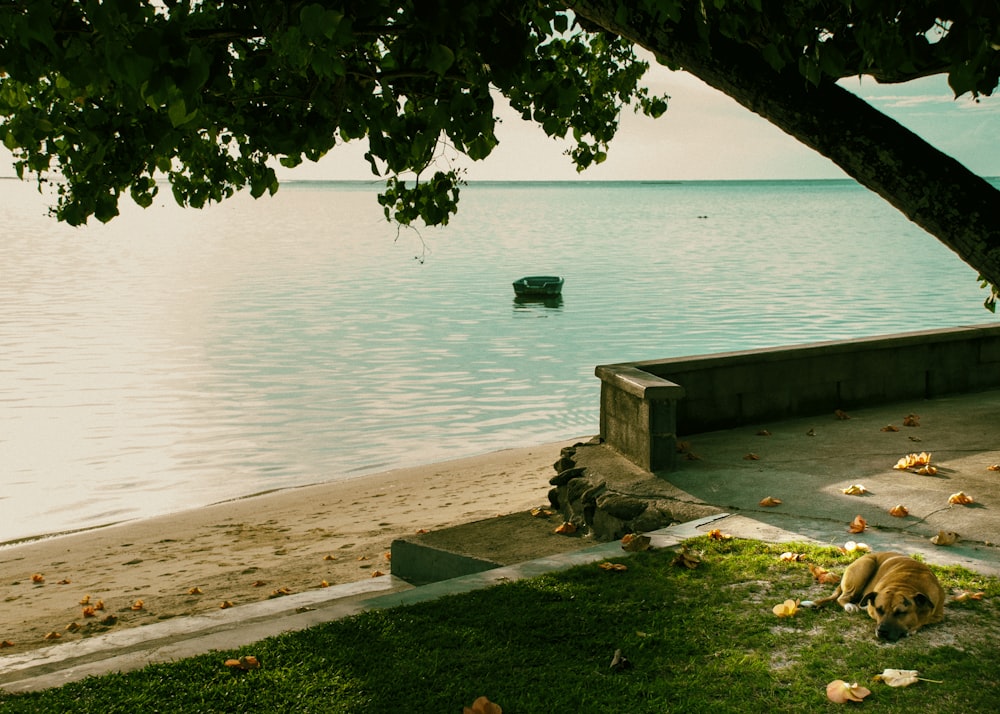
175, 358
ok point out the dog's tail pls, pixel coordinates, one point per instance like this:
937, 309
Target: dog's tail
823, 600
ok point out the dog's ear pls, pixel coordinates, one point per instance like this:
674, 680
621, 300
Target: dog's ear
868, 599
923, 601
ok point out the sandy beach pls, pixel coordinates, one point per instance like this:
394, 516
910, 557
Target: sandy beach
127, 575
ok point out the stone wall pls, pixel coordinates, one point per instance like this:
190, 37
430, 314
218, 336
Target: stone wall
645, 406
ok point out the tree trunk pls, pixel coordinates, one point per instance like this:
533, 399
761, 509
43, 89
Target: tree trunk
933, 190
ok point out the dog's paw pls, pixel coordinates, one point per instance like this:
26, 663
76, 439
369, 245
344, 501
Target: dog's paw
851, 608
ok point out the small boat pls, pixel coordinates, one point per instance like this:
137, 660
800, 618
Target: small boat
538, 285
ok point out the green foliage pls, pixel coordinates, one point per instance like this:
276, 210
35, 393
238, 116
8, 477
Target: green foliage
112, 96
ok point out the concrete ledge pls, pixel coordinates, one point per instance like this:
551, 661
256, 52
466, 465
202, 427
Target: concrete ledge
646, 405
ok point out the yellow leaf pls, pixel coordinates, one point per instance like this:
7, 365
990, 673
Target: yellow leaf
329, 557
911, 420
99, 605
852, 547
686, 559
324, 584
226, 604
899, 511
542, 512
840, 692
482, 705
858, 525
966, 595
243, 663
89, 611
790, 557
566, 528
716, 534
993, 467
616, 567
38, 578
889, 427
786, 609
751, 457
945, 538
635, 543
5, 644
138, 605
52, 636
770, 501
855, 490
823, 575
194, 591
85, 600
73, 627
960, 499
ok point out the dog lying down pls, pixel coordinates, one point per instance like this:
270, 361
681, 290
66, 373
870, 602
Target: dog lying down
901, 594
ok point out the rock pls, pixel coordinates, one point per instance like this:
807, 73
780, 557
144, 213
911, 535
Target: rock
623, 507
563, 464
564, 477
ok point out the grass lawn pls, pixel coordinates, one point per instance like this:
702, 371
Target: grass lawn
697, 640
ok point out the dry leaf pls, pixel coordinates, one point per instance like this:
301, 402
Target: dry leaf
763, 432
85, 600
377, 573
99, 605
927, 470
566, 528
194, 591
811, 432
911, 420
619, 662
751, 457
855, 490
280, 592
686, 559
259, 583
542, 512
109, 620
138, 605
993, 467
226, 604
786, 609
960, 498
482, 705
823, 575
852, 547
858, 525
840, 692
38, 578
899, 511
841, 414
324, 584
716, 534
387, 555
945, 538
421, 531
636, 543
617, 567
64, 581
5, 644
329, 557
770, 501
966, 595
790, 557
889, 427
243, 663
52, 636
898, 677
89, 611
73, 627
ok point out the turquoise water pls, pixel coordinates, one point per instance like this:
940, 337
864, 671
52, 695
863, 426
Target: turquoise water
175, 358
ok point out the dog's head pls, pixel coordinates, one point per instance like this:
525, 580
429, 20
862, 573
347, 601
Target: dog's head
897, 613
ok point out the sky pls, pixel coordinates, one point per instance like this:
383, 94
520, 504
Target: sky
705, 135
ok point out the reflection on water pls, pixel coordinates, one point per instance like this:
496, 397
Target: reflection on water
175, 358
537, 303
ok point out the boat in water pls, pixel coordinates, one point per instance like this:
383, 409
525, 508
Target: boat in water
538, 286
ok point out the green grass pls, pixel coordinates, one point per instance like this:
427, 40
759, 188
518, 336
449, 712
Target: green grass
702, 640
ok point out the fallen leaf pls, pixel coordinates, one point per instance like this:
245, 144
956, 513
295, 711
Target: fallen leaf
769, 501
823, 575
683, 447
993, 467
542, 512
64, 581
617, 567
89, 611
716, 534
226, 604
790, 557
387, 555
85, 600
841, 414
194, 591
636, 543
852, 547
927, 470
763, 432
840, 692
889, 427
751, 457
243, 663
966, 595
73, 627
855, 490
482, 705
858, 525
377, 573
898, 677
786, 609
109, 620
899, 511
362, 557
138, 605
566, 528
52, 636
945, 538
38, 578
686, 559
259, 583
99, 605
329, 557
280, 592
917, 439
811, 432
5, 644
324, 584
421, 531
620, 662
911, 420
960, 498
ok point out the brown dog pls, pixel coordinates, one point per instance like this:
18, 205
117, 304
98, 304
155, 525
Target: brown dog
901, 594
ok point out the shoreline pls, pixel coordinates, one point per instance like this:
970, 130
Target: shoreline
250, 548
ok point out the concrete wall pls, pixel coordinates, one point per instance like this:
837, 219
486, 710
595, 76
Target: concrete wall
646, 405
